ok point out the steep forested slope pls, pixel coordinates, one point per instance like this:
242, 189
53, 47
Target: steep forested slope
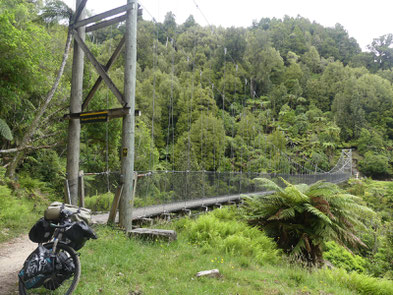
222, 98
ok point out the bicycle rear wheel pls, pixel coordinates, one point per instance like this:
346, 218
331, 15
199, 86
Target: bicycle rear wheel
62, 281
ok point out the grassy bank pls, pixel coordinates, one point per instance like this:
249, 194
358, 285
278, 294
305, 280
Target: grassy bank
115, 264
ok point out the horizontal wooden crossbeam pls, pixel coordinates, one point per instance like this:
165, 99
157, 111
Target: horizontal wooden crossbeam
99, 116
103, 15
106, 23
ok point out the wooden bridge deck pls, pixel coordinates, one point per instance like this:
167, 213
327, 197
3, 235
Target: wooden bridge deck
155, 210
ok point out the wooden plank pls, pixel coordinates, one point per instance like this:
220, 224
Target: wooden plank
106, 23
101, 71
103, 15
115, 204
153, 234
108, 65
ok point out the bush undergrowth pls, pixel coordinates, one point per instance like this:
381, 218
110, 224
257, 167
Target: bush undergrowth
342, 258
101, 202
17, 215
221, 229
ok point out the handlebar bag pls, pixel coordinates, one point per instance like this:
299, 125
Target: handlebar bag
37, 268
41, 232
78, 234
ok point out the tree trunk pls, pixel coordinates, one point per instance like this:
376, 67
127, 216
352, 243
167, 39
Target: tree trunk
34, 124
316, 255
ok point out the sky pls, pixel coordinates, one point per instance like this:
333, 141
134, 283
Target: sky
363, 19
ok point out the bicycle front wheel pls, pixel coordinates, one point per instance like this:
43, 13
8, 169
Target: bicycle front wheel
64, 279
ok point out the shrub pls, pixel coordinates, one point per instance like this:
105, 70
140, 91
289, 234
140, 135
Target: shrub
17, 214
48, 167
361, 283
99, 202
221, 230
375, 165
33, 185
342, 258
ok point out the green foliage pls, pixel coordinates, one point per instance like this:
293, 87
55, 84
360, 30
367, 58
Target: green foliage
342, 258
378, 236
48, 167
222, 230
101, 202
17, 215
375, 165
303, 218
381, 262
5, 131
361, 283
55, 11
35, 187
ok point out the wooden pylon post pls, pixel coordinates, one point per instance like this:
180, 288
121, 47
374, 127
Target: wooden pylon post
74, 127
128, 135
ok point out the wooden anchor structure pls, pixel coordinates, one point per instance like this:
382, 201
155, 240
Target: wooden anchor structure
128, 13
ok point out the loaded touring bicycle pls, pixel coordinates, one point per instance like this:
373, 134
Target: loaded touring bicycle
54, 267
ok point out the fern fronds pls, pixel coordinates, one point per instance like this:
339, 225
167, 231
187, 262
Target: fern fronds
5, 131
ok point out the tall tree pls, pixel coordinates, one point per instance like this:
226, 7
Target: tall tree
383, 52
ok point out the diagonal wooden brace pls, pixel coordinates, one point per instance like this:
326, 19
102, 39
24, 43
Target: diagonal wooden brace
100, 70
78, 12
107, 67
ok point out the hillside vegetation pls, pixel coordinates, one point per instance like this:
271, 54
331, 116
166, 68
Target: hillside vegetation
248, 261
211, 98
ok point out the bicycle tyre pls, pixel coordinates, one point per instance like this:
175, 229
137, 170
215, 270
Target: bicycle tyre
66, 287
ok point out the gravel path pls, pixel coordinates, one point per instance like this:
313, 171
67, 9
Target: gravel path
12, 255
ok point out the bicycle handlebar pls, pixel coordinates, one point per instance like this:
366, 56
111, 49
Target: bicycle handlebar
61, 225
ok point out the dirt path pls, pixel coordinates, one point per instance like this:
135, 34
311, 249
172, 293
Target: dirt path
12, 256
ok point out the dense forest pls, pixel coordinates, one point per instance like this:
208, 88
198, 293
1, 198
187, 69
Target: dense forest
212, 98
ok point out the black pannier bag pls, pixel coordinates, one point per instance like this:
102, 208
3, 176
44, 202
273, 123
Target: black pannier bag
65, 267
41, 232
37, 268
78, 234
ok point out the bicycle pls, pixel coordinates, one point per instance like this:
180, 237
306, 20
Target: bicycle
54, 267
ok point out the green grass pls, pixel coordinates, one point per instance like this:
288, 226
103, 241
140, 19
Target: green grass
115, 264
17, 214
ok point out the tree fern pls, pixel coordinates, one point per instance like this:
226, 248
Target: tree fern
302, 218
5, 131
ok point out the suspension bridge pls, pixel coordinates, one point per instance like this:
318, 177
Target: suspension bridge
157, 192
163, 192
